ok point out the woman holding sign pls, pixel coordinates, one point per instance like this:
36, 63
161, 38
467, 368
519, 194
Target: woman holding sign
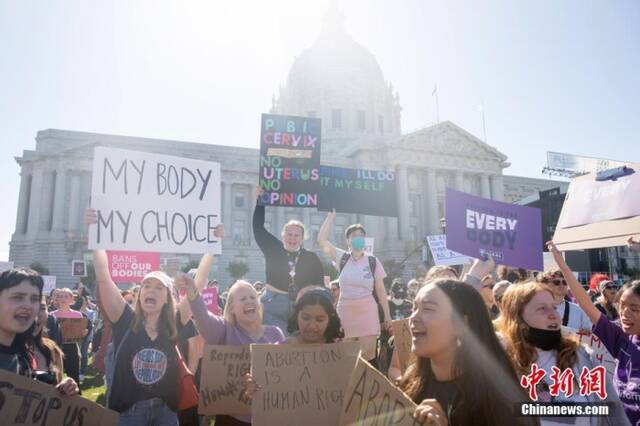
289, 267
360, 275
462, 375
20, 297
314, 319
241, 323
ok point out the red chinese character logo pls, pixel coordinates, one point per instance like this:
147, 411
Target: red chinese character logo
593, 381
562, 382
531, 380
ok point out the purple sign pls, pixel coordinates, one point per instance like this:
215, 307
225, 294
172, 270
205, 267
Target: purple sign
511, 234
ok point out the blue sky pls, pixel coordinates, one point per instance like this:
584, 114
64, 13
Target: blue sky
553, 75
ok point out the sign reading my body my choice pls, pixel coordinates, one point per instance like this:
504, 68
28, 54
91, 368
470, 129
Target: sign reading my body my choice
152, 202
290, 160
371, 192
509, 233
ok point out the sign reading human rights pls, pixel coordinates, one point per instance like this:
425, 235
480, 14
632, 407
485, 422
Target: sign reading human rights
509, 233
154, 203
131, 266
371, 192
290, 160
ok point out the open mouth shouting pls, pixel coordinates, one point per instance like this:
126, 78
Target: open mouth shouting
626, 324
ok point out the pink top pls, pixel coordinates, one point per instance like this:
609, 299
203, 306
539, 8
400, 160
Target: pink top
356, 279
67, 314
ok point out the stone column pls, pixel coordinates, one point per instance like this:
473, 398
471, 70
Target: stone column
23, 202
34, 200
433, 221
485, 189
226, 205
459, 181
497, 188
403, 199
74, 203
59, 201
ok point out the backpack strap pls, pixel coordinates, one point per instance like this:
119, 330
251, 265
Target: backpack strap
565, 316
343, 261
115, 361
372, 265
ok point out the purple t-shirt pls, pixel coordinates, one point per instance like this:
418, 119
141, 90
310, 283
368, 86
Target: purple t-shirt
625, 349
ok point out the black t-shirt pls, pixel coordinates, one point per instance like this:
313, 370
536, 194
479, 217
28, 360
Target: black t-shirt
144, 368
401, 311
445, 393
14, 361
185, 332
308, 269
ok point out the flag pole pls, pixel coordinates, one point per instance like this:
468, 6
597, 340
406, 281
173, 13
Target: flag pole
435, 92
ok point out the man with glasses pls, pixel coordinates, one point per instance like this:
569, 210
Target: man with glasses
572, 315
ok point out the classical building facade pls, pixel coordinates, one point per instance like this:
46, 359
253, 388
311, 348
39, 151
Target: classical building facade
335, 79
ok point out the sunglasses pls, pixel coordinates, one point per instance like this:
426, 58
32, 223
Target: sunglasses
559, 282
609, 287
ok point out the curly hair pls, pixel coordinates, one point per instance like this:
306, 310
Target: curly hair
322, 297
513, 327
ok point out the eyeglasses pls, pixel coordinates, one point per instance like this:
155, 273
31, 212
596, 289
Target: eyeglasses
559, 282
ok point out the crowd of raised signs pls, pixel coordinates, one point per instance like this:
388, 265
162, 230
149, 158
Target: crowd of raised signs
457, 346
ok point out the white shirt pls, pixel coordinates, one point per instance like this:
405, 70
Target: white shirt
578, 319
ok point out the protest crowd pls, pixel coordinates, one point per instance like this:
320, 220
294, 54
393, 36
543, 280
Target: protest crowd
457, 345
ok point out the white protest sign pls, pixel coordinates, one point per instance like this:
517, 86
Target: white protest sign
369, 245
596, 349
49, 284
442, 255
5, 266
152, 202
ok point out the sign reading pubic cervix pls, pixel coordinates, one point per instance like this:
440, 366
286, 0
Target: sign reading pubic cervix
154, 203
290, 160
509, 233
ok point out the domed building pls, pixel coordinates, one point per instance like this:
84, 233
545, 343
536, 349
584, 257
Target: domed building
337, 80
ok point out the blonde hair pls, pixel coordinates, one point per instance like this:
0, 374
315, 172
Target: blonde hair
297, 223
228, 307
512, 327
65, 290
167, 320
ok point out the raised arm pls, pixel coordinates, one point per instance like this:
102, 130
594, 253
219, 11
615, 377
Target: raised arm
265, 239
327, 248
110, 297
478, 270
212, 328
583, 299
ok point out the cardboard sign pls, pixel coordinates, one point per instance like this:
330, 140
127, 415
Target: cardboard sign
442, 255
222, 383
596, 349
210, 297
290, 160
301, 384
598, 214
402, 342
371, 192
131, 266
154, 203
371, 399
27, 402
72, 329
49, 284
5, 266
78, 268
509, 233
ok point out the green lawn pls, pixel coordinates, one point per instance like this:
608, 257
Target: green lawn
93, 386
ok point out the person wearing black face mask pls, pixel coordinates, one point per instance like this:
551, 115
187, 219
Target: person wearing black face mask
399, 306
531, 330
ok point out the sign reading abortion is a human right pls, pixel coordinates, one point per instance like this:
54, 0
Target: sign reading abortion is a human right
154, 203
509, 233
371, 192
290, 160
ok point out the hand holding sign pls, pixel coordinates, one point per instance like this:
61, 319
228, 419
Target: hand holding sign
431, 412
633, 245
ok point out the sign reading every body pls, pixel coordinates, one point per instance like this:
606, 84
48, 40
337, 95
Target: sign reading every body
290, 160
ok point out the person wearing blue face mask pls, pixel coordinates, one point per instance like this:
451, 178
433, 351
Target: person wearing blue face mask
360, 277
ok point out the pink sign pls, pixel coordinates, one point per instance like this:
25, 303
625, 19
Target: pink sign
210, 297
132, 266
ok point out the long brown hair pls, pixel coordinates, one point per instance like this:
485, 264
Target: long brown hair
512, 327
166, 322
486, 380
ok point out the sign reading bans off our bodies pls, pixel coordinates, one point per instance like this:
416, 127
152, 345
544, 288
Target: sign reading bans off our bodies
290, 160
152, 202
371, 192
